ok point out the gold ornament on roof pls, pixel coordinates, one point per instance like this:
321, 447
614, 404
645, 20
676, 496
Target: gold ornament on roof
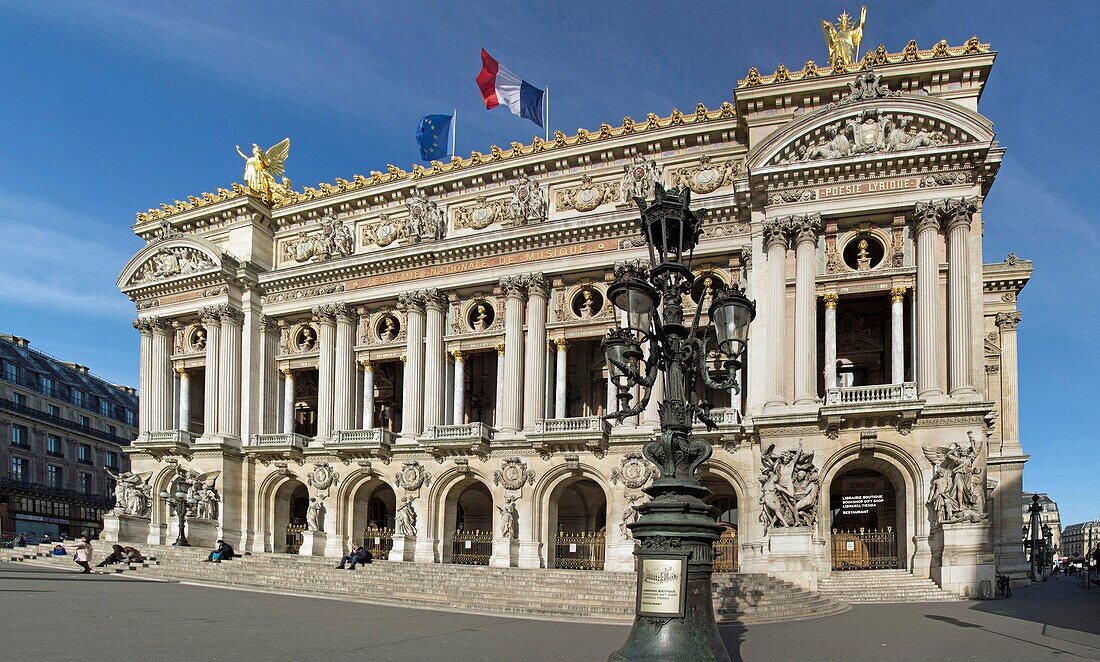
261, 169
843, 39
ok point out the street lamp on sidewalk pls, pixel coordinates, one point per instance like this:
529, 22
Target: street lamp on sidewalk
1034, 526
676, 531
180, 501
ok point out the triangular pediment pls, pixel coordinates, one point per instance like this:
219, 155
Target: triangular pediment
179, 257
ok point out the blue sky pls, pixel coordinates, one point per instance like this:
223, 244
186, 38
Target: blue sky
112, 107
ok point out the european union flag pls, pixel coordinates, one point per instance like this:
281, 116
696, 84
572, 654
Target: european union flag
432, 134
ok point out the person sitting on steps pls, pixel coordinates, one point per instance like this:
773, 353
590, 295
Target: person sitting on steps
358, 554
223, 552
117, 555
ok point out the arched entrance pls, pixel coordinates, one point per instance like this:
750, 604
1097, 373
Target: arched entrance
867, 525
578, 521
469, 521
374, 507
291, 502
724, 500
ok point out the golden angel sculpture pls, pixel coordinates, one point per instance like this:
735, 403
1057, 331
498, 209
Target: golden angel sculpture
843, 39
261, 169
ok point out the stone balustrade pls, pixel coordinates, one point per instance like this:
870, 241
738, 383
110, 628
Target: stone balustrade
872, 394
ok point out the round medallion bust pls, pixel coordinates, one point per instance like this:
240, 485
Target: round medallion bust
587, 302
305, 338
480, 315
387, 328
196, 341
863, 252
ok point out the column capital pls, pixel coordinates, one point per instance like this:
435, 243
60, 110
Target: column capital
514, 286
500, 349
367, 364
404, 359
830, 299
1008, 321
458, 354
345, 313
537, 284
897, 294
181, 371
775, 233
959, 211
434, 299
412, 301
324, 314
268, 323
231, 315
928, 214
803, 229
287, 372
561, 343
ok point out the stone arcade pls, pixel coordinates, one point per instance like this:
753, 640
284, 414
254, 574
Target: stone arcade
411, 358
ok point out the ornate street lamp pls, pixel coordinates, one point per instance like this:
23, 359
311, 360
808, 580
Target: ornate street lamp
1048, 551
1034, 527
676, 530
179, 500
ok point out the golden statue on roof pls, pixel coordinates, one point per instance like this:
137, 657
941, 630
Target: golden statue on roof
843, 38
261, 169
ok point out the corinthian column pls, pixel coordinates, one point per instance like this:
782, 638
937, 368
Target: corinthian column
343, 406
459, 387
1010, 384
559, 378
269, 377
325, 316
145, 359
185, 398
498, 412
229, 393
368, 395
412, 396
897, 335
960, 372
775, 243
830, 300
435, 361
805, 309
928, 341
534, 383
211, 321
515, 289
288, 401
160, 376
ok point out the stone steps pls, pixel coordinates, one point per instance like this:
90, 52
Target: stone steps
541, 593
882, 586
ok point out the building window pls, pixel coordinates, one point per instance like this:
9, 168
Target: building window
111, 431
129, 417
85, 421
19, 436
53, 410
110, 459
54, 477
84, 453
11, 371
19, 399
85, 483
19, 469
54, 446
48, 386
78, 397
104, 407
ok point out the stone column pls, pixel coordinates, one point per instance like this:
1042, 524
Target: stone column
460, 387
830, 300
368, 395
211, 321
805, 323
229, 393
435, 361
412, 395
185, 398
1010, 384
499, 410
651, 416
160, 376
534, 383
343, 404
325, 316
288, 401
611, 398
269, 381
560, 403
897, 335
551, 381
960, 366
145, 331
775, 241
927, 217
515, 290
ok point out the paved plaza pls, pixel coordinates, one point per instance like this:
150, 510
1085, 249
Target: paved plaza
117, 618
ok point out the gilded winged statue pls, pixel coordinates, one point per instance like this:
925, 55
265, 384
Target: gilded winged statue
843, 39
261, 169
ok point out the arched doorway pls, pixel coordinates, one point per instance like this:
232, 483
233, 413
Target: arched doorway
374, 507
469, 520
724, 500
291, 502
867, 526
578, 521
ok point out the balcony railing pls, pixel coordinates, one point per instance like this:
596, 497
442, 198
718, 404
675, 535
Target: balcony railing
13, 486
871, 395
289, 440
46, 417
579, 424
463, 431
465, 439
375, 442
580, 433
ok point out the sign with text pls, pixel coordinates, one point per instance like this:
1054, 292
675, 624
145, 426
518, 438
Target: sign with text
662, 586
861, 188
860, 504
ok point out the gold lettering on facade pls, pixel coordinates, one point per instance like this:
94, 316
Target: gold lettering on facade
860, 188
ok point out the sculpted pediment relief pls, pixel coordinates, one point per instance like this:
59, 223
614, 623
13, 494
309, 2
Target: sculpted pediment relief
171, 262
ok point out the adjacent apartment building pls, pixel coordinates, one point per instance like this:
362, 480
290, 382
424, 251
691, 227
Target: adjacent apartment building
62, 430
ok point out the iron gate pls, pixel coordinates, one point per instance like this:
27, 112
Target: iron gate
865, 549
471, 547
579, 550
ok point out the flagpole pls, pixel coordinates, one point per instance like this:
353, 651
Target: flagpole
546, 113
454, 131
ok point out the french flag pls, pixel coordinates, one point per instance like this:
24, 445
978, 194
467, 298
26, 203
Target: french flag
500, 86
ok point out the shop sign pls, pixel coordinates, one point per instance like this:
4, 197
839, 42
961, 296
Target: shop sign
662, 586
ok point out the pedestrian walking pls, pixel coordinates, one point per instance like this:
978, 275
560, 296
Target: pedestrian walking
83, 555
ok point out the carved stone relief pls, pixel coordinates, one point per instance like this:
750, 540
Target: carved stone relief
708, 176
481, 214
413, 476
634, 471
587, 196
513, 474
170, 262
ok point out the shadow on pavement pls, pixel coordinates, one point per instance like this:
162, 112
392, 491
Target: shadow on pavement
1062, 602
733, 635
